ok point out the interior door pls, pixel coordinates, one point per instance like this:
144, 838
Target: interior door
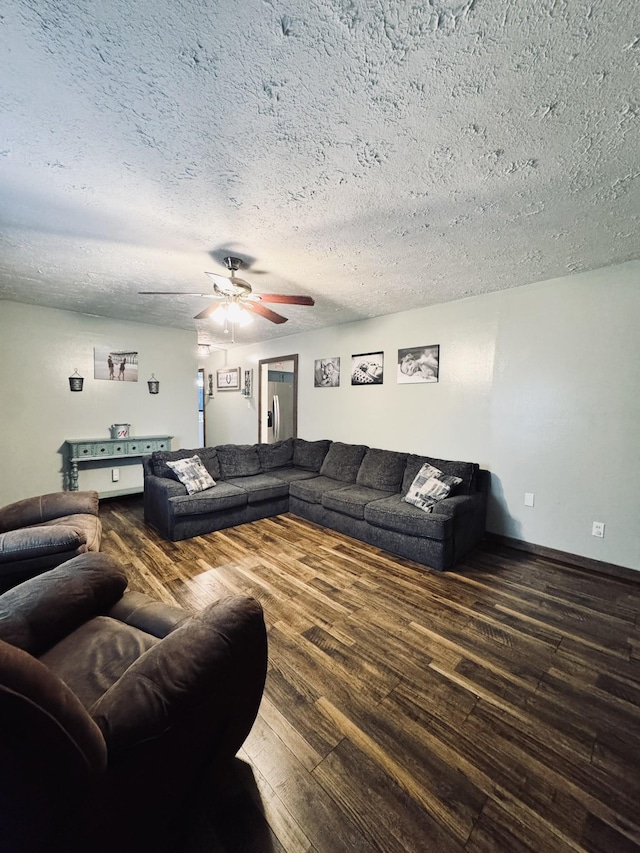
277, 405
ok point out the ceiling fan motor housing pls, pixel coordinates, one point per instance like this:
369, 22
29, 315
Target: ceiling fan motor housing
233, 264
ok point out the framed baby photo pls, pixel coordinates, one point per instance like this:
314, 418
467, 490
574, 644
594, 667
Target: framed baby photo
419, 364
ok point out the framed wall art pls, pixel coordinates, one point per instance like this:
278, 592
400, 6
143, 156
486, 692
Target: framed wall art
367, 368
418, 364
228, 379
326, 373
117, 365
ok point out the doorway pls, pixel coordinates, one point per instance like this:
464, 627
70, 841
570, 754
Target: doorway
278, 398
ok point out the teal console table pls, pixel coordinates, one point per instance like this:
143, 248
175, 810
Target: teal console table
81, 450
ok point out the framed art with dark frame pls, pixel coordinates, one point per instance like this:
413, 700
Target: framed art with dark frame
228, 379
367, 368
419, 364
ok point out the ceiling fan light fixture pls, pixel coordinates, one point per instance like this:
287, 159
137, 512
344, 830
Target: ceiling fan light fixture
234, 312
245, 319
219, 316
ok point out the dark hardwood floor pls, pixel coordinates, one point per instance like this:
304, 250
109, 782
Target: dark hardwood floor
496, 708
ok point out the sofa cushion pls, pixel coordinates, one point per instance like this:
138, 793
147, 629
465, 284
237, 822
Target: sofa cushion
312, 490
343, 461
238, 460
289, 475
309, 455
192, 474
351, 500
393, 513
429, 487
278, 455
261, 487
208, 456
382, 469
223, 496
467, 471
31, 542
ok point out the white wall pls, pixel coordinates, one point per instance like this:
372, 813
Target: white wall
39, 350
538, 384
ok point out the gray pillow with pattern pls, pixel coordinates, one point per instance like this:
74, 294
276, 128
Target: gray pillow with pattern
429, 487
192, 473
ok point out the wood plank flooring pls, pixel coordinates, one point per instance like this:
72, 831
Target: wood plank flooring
496, 708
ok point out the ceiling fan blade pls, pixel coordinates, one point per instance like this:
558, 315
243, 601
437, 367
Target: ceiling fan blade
285, 299
267, 313
207, 312
171, 293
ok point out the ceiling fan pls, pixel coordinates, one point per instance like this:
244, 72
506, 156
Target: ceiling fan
235, 298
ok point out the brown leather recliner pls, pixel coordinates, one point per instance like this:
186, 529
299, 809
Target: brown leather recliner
112, 705
42, 532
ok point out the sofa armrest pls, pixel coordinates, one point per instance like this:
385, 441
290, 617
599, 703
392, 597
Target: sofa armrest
164, 487
38, 613
29, 542
47, 507
458, 505
209, 673
149, 615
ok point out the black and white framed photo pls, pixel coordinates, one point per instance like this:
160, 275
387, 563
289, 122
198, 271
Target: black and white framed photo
326, 373
228, 379
118, 365
418, 364
367, 368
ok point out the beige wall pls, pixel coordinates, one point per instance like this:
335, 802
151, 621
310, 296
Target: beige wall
39, 350
538, 384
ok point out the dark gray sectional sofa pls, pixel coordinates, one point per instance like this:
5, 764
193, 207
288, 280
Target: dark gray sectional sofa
351, 488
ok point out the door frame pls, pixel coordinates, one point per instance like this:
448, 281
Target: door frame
264, 363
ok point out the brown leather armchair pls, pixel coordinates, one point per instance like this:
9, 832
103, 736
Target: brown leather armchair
113, 704
42, 532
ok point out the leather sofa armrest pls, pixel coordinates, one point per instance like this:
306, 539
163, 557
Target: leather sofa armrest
149, 615
42, 508
29, 542
41, 611
209, 672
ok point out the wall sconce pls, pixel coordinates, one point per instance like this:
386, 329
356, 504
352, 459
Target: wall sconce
154, 384
76, 381
248, 383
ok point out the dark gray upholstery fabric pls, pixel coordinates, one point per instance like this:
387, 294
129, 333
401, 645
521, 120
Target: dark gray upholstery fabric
238, 460
309, 455
288, 475
222, 496
261, 487
393, 513
343, 461
278, 455
312, 490
351, 500
382, 469
208, 456
467, 471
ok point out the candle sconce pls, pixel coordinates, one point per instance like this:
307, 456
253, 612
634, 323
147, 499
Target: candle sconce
76, 381
154, 384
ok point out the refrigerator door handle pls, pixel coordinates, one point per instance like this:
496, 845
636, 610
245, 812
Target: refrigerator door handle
276, 417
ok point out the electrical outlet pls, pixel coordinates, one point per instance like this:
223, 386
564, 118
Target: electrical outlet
529, 498
115, 475
598, 529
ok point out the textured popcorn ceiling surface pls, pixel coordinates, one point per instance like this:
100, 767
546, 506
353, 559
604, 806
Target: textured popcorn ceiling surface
376, 155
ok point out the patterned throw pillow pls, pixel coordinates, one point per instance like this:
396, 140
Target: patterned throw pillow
192, 473
429, 487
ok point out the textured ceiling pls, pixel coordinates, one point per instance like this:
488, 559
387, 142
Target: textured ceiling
374, 155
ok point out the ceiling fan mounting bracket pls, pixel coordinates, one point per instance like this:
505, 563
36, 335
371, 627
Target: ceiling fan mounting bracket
233, 264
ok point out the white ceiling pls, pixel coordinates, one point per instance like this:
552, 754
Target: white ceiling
374, 155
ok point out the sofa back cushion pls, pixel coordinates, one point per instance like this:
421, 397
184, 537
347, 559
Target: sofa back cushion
342, 461
382, 469
309, 455
467, 471
238, 460
208, 457
278, 455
